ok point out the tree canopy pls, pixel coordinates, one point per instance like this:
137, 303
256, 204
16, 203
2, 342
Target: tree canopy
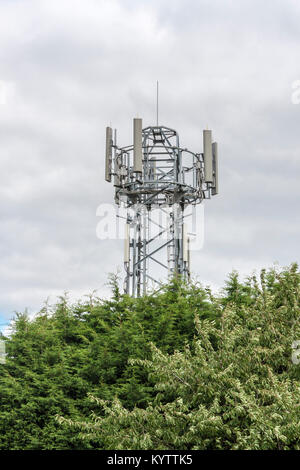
180, 368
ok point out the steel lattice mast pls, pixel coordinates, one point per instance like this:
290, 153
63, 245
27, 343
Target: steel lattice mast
156, 180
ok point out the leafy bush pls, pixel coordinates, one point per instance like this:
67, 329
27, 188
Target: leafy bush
68, 351
233, 387
177, 369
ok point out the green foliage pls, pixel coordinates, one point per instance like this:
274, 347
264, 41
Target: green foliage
68, 351
233, 387
177, 369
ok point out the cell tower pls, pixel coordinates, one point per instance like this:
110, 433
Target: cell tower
156, 175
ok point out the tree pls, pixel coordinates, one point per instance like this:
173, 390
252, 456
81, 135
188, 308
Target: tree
233, 387
68, 351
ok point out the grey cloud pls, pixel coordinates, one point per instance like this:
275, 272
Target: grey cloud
78, 66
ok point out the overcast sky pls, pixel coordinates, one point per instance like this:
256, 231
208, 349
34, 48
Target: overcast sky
68, 68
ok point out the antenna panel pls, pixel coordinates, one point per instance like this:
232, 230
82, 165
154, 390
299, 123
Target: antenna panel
117, 162
215, 189
207, 152
189, 255
137, 145
108, 154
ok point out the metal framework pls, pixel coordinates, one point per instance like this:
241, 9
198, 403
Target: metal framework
155, 180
